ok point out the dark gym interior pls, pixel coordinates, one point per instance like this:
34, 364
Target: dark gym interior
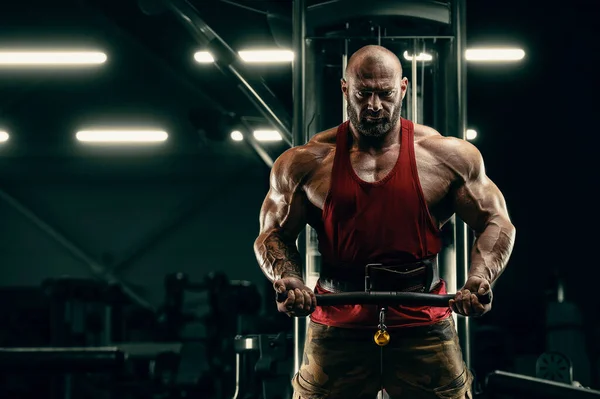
128, 270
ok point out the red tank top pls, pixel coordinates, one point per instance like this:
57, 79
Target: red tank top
384, 221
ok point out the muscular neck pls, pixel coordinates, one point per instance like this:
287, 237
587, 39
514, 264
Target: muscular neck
376, 145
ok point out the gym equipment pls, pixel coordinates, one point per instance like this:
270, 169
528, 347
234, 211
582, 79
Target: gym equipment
83, 311
554, 366
226, 303
172, 370
62, 360
383, 300
100, 341
501, 384
227, 300
263, 365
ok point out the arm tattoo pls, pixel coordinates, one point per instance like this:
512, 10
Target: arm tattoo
279, 258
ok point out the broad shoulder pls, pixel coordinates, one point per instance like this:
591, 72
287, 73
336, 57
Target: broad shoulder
461, 156
296, 164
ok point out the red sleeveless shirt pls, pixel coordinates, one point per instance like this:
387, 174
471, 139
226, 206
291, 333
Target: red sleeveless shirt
386, 221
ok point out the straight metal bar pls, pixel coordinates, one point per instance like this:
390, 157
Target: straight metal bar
459, 27
415, 84
299, 138
245, 7
344, 66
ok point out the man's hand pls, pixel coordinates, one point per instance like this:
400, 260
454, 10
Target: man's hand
466, 302
301, 300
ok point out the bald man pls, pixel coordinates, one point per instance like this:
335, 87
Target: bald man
377, 189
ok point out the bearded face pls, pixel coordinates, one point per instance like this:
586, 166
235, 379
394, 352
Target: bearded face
374, 122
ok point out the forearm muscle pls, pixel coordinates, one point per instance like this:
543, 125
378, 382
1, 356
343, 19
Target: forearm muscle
278, 257
492, 249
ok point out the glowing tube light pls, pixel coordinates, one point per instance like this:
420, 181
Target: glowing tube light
50, 58
267, 56
236, 135
204, 57
3, 136
494, 54
420, 56
251, 56
471, 134
121, 136
267, 135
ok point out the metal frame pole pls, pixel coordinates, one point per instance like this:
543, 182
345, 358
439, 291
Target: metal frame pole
344, 66
459, 27
299, 137
415, 84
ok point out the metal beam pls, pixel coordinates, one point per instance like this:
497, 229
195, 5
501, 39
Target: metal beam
229, 63
335, 11
97, 268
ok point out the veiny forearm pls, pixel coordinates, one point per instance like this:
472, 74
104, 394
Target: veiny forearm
278, 257
492, 249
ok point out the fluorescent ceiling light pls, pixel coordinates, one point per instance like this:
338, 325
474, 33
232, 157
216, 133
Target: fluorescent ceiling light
267, 135
267, 56
204, 57
51, 57
3, 136
471, 134
118, 136
420, 56
251, 56
236, 135
494, 54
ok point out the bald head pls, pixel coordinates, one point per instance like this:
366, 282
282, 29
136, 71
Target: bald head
369, 58
374, 89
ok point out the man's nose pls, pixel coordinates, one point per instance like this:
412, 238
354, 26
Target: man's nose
374, 103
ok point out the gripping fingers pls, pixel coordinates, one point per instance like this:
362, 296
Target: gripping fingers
477, 306
466, 302
290, 300
299, 303
308, 302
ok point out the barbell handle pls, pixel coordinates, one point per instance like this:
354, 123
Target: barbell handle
386, 298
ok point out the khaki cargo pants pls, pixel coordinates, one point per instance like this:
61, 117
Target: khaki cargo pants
422, 362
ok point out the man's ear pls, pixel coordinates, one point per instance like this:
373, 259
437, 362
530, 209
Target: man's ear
403, 86
344, 86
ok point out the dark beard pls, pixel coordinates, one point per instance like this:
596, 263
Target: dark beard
374, 128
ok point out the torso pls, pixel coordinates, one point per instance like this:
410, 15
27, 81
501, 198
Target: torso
435, 177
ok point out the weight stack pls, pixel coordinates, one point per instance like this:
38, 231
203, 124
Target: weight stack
565, 335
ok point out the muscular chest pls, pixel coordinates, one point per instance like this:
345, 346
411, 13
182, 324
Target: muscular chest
433, 179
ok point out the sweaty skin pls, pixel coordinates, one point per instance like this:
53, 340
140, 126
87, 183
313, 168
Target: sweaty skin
451, 172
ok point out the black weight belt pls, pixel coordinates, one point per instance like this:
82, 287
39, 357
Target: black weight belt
420, 276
